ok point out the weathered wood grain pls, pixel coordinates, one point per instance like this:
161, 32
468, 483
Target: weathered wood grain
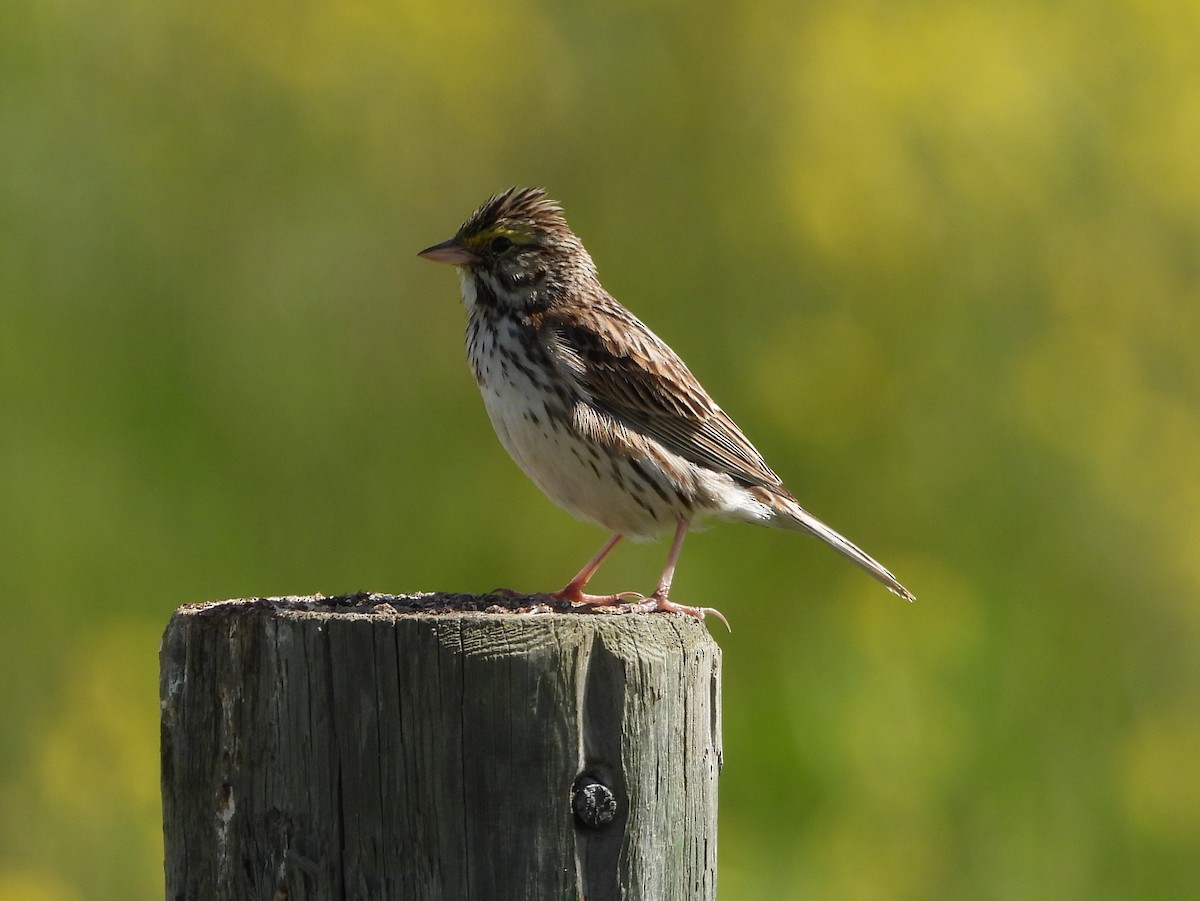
346, 749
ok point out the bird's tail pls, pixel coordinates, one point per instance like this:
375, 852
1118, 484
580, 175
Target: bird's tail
790, 515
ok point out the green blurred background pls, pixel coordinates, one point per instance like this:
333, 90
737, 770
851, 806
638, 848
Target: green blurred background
940, 260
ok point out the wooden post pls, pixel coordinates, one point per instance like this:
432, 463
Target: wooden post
437, 747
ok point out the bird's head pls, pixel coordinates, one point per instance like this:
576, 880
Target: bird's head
518, 247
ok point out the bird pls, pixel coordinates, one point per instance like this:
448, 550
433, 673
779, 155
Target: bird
598, 411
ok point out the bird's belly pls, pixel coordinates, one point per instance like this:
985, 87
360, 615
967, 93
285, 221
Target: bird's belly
601, 473
612, 490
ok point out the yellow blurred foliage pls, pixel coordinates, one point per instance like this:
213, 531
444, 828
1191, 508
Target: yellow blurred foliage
26, 885
101, 749
1161, 780
93, 777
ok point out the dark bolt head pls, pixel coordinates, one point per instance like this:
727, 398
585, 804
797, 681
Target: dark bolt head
594, 803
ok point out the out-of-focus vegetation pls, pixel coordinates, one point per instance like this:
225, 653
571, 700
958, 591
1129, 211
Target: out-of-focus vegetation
940, 260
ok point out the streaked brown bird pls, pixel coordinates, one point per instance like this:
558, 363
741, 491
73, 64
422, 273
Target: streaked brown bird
597, 409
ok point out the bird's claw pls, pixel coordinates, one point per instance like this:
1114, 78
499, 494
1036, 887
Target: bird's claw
655, 604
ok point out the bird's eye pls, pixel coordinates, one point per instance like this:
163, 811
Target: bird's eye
500, 244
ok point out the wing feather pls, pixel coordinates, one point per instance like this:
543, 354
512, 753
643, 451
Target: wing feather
627, 371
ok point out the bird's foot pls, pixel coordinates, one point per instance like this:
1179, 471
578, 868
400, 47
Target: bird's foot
657, 603
575, 595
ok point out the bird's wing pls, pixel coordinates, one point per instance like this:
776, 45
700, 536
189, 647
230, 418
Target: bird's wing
629, 372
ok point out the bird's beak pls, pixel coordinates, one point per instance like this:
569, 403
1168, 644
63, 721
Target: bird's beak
449, 252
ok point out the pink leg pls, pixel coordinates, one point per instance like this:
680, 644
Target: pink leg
668, 573
659, 601
573, 590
